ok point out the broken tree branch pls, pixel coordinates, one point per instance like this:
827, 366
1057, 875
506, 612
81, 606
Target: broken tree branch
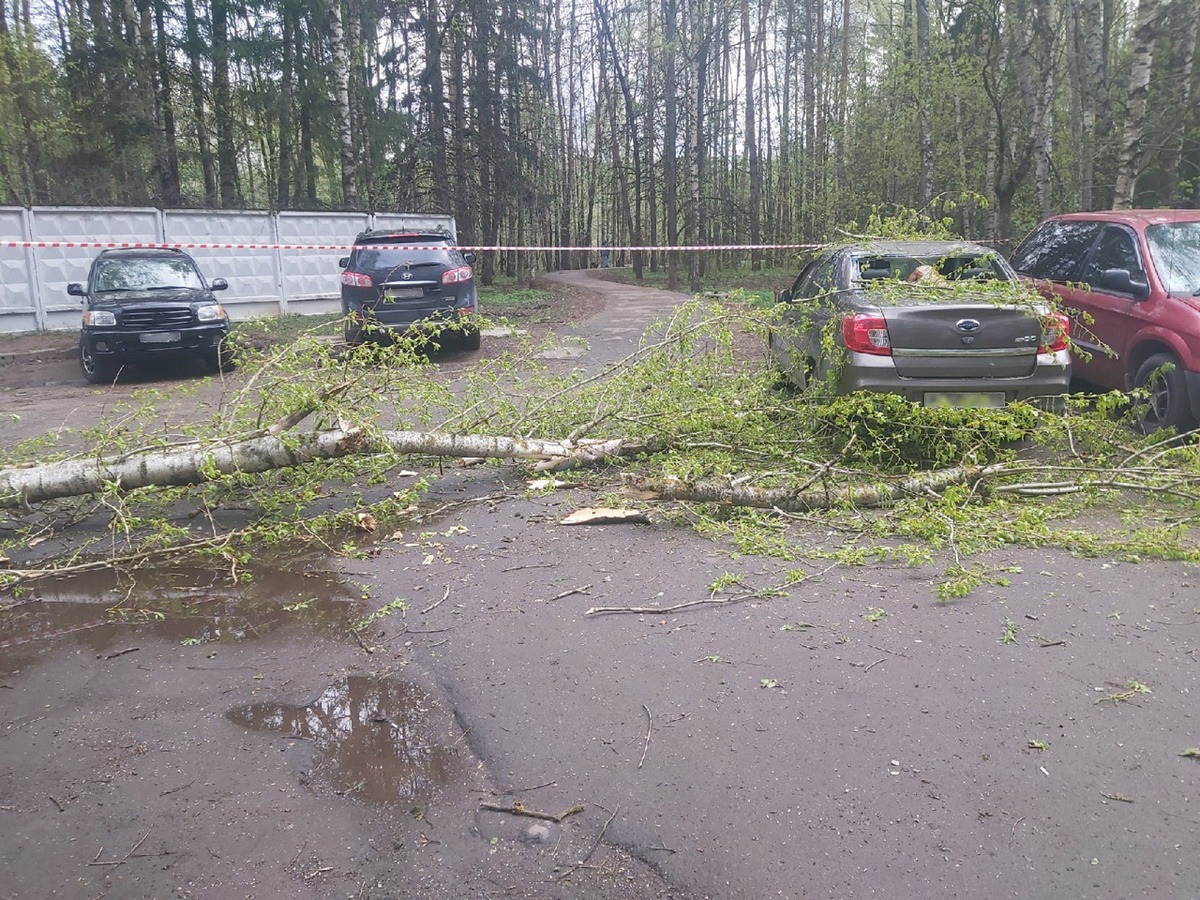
21, 486
519, 809
880, 494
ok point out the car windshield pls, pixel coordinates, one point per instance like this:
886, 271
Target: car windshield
954, 267
152, 274
1176, 253
373, 259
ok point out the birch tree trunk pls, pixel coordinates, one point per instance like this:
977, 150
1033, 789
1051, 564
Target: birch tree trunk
671, 138
1133, 135
341, 100
197, 464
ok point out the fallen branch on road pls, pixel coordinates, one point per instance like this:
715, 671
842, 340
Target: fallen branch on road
22, 486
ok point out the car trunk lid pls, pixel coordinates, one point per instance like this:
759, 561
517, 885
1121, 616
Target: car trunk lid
957, 340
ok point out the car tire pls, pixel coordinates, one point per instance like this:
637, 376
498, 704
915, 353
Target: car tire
219, 361
95, 371
470, 339
1168, 405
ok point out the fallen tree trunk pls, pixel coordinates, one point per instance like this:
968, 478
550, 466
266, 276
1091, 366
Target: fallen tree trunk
880, 494
197, 464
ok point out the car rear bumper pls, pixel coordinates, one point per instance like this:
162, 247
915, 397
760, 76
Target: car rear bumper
125, 346
863, 372
395, 318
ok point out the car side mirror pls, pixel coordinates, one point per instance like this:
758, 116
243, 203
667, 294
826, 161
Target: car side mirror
75, 289
343, 262
1121, 281
469, 257
784, 296
218, 284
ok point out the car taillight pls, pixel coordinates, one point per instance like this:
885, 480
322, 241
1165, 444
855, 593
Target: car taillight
454, 276
1056, 333
867, 334
354, 279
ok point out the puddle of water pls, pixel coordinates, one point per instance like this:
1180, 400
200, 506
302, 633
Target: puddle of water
191, 606
374, 738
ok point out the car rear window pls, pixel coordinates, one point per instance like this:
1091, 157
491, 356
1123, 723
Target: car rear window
956, 267
1176, 252
370, 258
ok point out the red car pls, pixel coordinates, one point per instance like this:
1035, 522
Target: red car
1130, 280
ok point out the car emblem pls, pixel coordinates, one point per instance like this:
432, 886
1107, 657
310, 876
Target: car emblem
967, 325
406, 275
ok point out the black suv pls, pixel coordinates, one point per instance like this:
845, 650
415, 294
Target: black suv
144, 305
393, 281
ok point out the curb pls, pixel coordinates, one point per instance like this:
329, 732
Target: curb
8, 357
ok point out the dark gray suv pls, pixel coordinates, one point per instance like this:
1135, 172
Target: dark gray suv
395, 282
144, 305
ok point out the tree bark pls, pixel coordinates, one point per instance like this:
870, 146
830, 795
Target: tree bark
1132, 137
223, 104
194, 47
341, 102
671, 139
198, 464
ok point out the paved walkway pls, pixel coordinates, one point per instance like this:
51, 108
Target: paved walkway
628, 311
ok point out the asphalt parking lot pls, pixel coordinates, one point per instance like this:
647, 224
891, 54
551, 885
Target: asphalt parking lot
856, 738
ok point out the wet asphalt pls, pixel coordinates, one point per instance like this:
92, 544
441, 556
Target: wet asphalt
855, 738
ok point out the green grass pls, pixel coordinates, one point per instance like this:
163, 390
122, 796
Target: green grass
504, 300
759, 287
285, 329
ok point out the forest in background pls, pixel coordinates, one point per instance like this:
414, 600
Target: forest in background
569, 122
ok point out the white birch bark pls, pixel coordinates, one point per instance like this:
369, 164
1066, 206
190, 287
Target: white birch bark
197, 464
341, 98
1135, 117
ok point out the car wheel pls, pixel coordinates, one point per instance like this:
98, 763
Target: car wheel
94, 370
219, 361
1167, 404
470, 339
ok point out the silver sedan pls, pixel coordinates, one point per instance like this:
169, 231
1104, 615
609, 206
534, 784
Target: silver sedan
941, 323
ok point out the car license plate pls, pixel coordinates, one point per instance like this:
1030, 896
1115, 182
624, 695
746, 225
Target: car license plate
160, 337
987, 400
404, 294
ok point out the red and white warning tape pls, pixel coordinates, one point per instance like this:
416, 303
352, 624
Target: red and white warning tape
203, 245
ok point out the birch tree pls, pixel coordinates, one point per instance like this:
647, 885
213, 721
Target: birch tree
1133, 135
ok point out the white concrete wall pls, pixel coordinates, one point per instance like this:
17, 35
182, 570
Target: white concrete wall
262, 280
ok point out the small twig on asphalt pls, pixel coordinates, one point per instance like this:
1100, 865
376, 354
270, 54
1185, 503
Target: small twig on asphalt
578, 590
1013, 834
1046, 642
708, 601
13, 728
1118, 797
873, 665
591, 849
116, 862
57, 802
294, 858
180, 788
531, 566
122, 652
649, 726
536, 787
361, 642
519, 809
427, 610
